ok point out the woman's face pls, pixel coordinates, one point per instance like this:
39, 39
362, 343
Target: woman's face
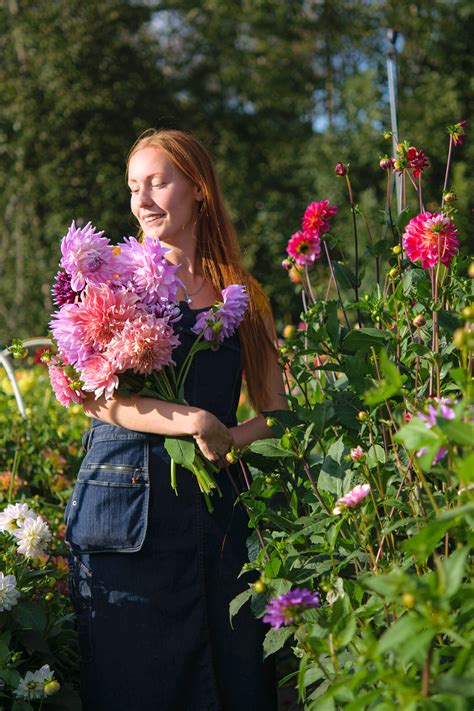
163, 199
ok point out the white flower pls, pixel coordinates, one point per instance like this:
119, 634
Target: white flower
31, 686
336, 592
32, 537
8, 593
14, 516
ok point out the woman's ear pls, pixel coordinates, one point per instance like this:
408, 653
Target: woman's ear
198, 196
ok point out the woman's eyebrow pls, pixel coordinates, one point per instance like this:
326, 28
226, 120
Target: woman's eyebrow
152, 175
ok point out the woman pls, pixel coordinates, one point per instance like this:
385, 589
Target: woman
152, 573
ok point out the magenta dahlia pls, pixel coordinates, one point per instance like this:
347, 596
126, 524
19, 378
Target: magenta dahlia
286, 609
430, 238
418, 161
62, 291
88, 257
143, 264
222, 319
316, 217
304, 247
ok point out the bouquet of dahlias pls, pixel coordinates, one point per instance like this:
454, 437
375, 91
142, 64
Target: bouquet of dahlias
113, 329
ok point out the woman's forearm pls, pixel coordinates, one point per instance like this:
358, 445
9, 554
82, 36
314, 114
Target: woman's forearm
144, 414
248, 432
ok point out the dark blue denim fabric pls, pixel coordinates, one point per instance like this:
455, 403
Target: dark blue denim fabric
151, 574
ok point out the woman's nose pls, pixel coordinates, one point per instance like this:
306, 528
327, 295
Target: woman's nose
143, 198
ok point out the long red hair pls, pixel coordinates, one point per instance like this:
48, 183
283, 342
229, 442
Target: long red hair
218, 250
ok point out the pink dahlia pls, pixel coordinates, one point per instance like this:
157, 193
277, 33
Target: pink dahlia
352, 499
143, 264
431, 237
88, 257
70, 335
102, 312
316, 217
222, 319
287, 609
144, 345
304, 247
99, 376
63, 387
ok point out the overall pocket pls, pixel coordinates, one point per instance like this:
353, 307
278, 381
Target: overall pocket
108, 509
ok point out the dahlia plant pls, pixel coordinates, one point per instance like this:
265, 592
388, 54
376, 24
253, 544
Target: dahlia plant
363, 500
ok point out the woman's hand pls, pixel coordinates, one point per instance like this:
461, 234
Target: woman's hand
213, 438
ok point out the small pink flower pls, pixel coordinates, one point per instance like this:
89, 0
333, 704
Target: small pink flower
316, 217
430, 238
99, 376
61, 385
357, 453
418, 161
304, 247
352, 499
341, 169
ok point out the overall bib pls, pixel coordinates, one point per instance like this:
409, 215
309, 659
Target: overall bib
151, 574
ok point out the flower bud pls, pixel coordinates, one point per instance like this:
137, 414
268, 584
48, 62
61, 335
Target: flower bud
341, 169
289, 331
51, 687
286, 264
409, 600
459, 337
259, 586
270, 422
295, 276
232, 456
397, 249
450, 197
48, 597
393, 273
357, 454
419, 321
387, 135
268, 480
468, 312
470, 270
385, 163
397, 165
362, 416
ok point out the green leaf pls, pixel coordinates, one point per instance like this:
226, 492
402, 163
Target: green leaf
364, 339
459, 432
454, 570
423, 543
345, 276
270, 448
272, 568
453, 684
375, 454
390, 384
416, 434
347, 406
10, 677
406, 628
464, 470
335, 471
275, 639
21, 706
239, 601
181, 450
322, 415
29, 615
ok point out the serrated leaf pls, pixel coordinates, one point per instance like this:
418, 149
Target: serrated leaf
364, 339
29, 615
270, 448
238, 602
275, 639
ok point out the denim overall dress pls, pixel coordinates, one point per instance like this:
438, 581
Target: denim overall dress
151, 574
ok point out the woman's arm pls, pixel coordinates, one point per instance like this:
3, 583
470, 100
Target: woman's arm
254, 429
145, 414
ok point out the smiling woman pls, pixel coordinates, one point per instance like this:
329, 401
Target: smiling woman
151, 573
